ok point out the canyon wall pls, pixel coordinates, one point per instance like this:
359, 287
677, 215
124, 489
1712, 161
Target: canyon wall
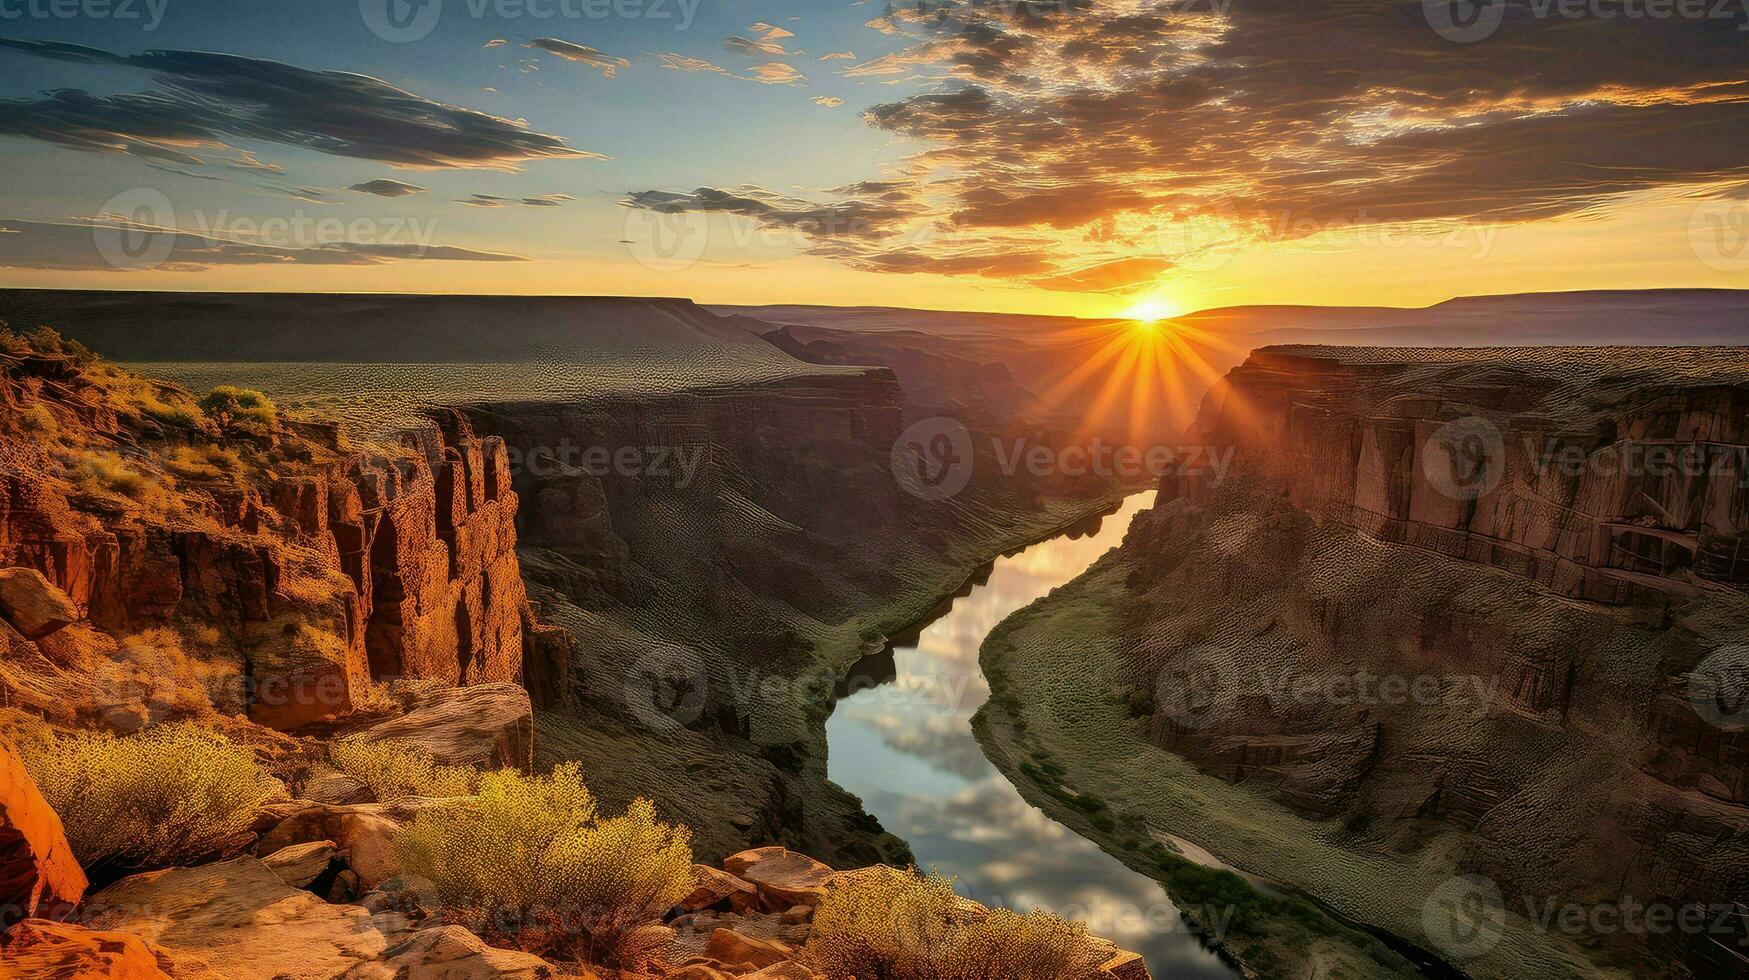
313, 570
1543, 729
1601, 474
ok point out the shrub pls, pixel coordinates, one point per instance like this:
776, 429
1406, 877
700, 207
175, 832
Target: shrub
103, 473
393, 769
205, 463
906, 926
170, 795
531, 862
243, 408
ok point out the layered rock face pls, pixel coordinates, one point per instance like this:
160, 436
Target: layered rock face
718, 558
307, 568
1480, 612
1607, 474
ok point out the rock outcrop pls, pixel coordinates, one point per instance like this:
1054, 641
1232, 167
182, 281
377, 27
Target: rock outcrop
41, 949
237, 920
486, 725
32, 605
308, 569
1608, 474
38, 874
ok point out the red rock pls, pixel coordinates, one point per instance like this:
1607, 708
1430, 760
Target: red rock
363, 833
783, 877
1126, 966
37, 870
730, 947
715, 887
33, 605
489, 725
38, 949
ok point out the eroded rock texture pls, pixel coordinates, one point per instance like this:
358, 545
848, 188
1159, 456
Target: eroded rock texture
296, 569
1463, 606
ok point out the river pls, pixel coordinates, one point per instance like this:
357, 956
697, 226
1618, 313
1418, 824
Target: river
906, 747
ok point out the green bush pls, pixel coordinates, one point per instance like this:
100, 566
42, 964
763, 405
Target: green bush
531, 862
906, 926
393, 770
243, 408
171, 795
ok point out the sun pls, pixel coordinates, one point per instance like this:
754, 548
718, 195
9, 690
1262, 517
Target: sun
1150, 310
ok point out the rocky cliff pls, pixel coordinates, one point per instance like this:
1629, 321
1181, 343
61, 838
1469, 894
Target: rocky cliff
253, 562
1455, 648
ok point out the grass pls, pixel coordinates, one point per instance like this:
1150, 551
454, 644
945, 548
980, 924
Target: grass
171, 795
210, 462
532, 862
394, 770
907, 926
241, 408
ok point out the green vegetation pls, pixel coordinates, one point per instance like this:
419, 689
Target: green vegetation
531, 862
905, 925
171, 795
241, 408
393, 770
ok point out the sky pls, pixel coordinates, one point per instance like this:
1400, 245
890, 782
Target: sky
1081, 157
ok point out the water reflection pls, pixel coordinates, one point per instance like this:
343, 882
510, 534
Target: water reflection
902, 740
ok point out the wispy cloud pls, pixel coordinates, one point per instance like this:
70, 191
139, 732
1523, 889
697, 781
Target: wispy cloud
607, 64
204, 101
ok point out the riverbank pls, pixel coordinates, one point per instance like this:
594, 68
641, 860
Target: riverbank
903, 743
1060, 729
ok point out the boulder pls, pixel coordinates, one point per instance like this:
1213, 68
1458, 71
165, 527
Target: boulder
787, 970
37, 869
300, 864
715, 887
33, 605
237, 920
38, 949
451, 953
363, 833
735, 949
783, 877
489, 725
1126, 966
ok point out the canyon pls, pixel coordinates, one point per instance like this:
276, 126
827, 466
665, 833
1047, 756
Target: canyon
1433, 642
1449, 651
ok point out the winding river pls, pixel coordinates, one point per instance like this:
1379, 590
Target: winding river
904, 743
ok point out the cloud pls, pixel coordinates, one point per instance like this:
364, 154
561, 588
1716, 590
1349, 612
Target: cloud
851, 218
114, 243
608, 65
383, 187
763, 46
1082, 139
203, 101
829, 101
491, 201
837, 55
775, 73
